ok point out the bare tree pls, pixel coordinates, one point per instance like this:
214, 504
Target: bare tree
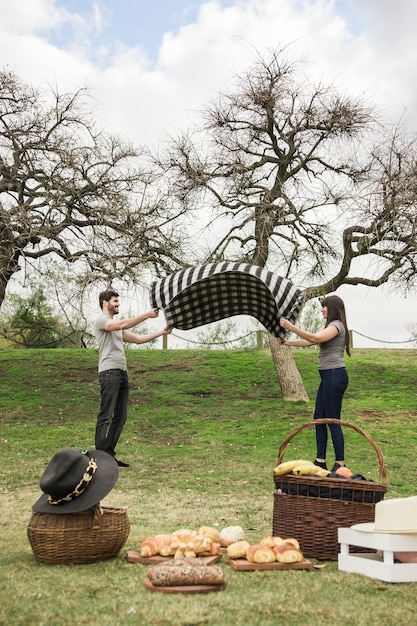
282, 164
69, 190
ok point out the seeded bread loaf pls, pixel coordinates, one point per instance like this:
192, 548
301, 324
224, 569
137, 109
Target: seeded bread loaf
184, 572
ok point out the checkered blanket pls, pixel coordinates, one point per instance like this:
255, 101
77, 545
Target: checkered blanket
211, 292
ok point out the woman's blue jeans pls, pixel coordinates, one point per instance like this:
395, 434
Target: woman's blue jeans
329, 405
114, 390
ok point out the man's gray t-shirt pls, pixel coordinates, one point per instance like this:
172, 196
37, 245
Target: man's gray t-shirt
331, 352
110, 345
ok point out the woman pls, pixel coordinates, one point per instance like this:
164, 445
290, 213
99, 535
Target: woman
333, 340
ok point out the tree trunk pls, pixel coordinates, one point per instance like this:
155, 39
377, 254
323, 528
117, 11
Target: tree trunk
289, 377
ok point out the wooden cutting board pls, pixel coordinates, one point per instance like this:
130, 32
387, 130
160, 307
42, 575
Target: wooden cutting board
185, 588
245, 565
133, 556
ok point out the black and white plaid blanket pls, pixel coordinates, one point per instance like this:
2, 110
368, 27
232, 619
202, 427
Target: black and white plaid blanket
211, 292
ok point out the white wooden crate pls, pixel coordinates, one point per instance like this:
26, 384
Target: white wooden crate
381, 565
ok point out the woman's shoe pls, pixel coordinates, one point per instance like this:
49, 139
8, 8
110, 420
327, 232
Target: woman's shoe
336, 466
321, 464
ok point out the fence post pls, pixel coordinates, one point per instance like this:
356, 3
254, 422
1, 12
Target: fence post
259, 339
164, 342
351, 338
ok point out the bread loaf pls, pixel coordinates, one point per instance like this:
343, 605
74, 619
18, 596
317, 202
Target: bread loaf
181, 572
238, 549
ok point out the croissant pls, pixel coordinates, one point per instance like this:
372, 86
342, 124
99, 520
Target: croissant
286, 553
260, 554
148, 547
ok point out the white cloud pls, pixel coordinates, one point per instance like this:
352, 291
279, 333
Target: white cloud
37, 16
367, 48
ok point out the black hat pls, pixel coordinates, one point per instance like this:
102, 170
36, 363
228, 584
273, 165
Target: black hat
75, 481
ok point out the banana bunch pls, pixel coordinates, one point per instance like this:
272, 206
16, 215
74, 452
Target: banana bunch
299, 468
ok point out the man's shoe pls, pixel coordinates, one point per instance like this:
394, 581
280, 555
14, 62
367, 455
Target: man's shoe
121, 464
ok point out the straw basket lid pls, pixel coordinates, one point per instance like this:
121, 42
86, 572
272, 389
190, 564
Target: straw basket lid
74, 481
395, 516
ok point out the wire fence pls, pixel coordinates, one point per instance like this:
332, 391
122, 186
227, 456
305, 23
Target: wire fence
242, 337
84, 340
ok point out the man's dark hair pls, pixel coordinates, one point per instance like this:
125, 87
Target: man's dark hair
107, 295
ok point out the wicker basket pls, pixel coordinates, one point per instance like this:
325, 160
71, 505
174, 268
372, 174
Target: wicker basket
86, 537
312, 508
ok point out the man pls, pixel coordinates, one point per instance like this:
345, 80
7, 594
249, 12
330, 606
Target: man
112, 368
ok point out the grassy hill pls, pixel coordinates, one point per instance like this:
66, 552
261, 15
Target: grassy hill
202, 438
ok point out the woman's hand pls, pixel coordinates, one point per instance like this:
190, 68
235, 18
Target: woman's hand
284, 323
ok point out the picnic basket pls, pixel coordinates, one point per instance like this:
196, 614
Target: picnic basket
312, 509
86, 537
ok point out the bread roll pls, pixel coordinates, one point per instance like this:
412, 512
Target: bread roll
260, 554
185, 572
205, 546
292, 542
164, 543
286, 553
238, 549
231, 534
212, 551
271, 541
184, 534
209, 532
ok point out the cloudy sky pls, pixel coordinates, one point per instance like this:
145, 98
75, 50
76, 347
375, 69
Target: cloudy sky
152, 64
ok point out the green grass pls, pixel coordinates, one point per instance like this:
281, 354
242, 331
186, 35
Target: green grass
202, 437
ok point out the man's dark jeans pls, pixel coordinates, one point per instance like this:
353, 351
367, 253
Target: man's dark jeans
114, 389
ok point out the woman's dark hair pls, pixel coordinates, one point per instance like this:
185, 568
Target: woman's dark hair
106, 295
336, 311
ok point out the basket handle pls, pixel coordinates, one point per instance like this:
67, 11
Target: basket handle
382, 468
